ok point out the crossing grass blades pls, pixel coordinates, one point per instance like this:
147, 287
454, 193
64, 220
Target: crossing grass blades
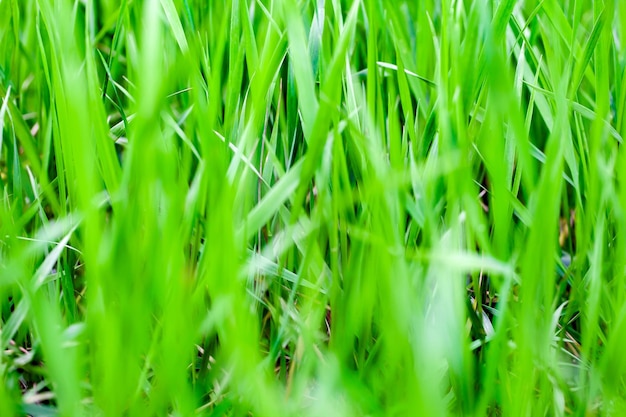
312, 208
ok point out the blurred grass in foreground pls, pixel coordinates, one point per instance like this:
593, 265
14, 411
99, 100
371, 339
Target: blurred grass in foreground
312, 208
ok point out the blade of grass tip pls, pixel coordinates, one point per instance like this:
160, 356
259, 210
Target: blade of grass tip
407, 72
252, 53
247, 162
37, 203
108, 163
501, 18
394, 135
315, 36
405, 99
330, 89
109, 76
372, 17
27, 141
175, 25
256, 103
50, 261
554, 12
583, 62
235, 74
281, 192
18, 184
50, 233
13, 324
301, 63
529, 19
584, 111
115, 41
403, 39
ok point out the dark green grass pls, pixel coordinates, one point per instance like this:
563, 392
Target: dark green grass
324, 208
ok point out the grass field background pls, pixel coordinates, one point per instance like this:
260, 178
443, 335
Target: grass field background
312, 208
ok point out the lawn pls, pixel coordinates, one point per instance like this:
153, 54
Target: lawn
312, 208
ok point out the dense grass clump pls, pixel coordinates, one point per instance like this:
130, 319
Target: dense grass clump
312, 208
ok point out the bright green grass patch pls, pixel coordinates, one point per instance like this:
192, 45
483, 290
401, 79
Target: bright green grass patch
312, 208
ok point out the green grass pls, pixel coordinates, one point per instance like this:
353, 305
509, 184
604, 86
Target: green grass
312, 208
